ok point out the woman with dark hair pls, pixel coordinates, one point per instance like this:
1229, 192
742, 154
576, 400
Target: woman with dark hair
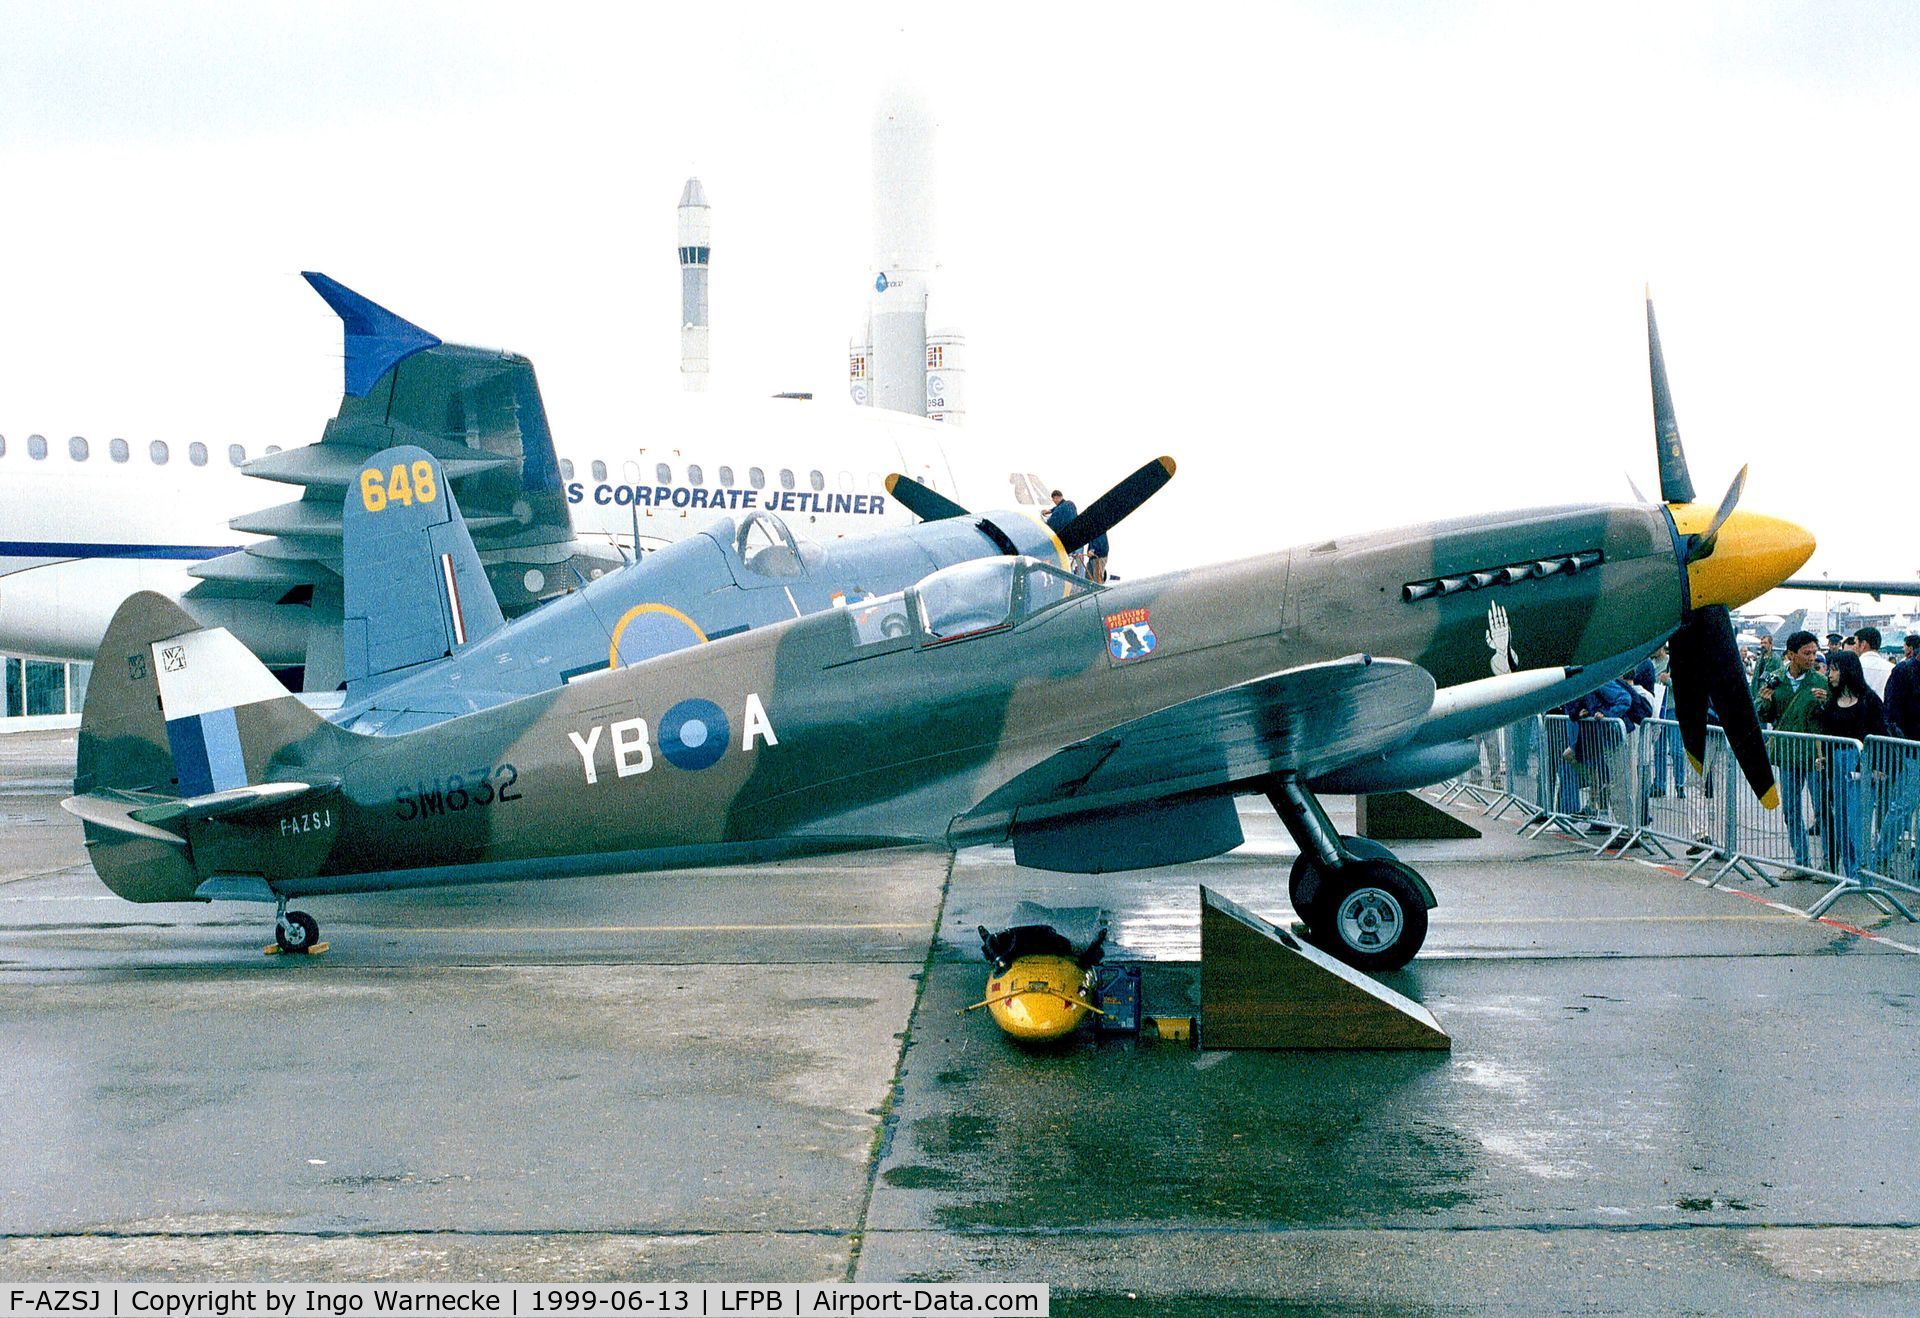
1855, 712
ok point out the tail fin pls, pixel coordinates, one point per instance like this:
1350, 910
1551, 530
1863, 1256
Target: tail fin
175, 711
415, 588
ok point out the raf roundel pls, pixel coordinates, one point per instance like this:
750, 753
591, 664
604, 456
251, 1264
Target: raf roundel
694, 734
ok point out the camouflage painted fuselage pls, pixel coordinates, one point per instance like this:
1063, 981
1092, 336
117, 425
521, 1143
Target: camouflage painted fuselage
809, 740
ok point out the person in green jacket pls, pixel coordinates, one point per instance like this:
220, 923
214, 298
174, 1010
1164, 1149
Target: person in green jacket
1766, 665
1791, 703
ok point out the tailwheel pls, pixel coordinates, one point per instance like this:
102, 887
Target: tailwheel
296, 931
1374, 916
1306, 882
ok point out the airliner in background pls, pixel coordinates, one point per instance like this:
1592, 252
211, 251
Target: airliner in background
85, 522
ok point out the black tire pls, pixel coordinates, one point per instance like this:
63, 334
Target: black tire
298, 932
1375, 916
1305, 880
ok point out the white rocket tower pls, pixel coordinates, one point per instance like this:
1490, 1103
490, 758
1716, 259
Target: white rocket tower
696, 244
899, 365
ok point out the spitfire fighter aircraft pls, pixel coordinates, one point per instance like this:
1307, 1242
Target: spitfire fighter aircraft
1094, 728
424, 639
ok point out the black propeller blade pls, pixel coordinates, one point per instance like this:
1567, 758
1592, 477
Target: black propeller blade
1106, 512
1702, 544
1704, 665
1687, 674
1676, 485
928, 505
1727, 688
1703, 658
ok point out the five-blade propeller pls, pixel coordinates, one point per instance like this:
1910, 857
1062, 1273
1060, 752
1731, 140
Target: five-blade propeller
1704, 666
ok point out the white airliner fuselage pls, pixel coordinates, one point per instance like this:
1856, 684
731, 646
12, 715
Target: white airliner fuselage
85, 523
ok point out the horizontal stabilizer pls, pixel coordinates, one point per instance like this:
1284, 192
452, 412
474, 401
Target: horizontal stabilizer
113, 811
233, 801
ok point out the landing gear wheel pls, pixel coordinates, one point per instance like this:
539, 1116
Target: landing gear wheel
1306, 883
1376, 918
296, 931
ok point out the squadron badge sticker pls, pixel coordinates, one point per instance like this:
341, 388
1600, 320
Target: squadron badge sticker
1130, 635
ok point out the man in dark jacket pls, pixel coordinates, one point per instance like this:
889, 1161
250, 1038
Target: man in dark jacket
1903, 695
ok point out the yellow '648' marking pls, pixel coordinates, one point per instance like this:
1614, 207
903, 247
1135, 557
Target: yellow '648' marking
379, 488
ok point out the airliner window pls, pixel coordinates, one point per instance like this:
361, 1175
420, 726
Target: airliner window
877, 621
695, 476
632, 470
786, 478
966, 598
756, 478
599, 470
566, 468
767, 547
36, 447
846, 480
663, 473
3, 446
77, 448
726, 477
158, 452
815, 479
197, 453
117, 450
237, 454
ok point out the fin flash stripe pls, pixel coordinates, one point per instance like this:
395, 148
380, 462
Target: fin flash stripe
453, 599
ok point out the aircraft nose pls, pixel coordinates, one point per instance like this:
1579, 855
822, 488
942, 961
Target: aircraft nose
1752, 554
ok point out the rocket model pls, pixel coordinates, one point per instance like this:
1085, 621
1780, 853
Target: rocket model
898, 365
696, 230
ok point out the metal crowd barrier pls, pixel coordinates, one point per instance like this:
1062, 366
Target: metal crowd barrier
1586, 781
1849, 813
1684, 814
1890, 779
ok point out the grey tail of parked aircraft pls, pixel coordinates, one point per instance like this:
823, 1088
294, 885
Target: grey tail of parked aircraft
415, 589
181, 730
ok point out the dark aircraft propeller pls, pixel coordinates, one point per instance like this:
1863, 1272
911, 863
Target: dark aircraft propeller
1094, 521
928, 505
1704, 665
1111, 508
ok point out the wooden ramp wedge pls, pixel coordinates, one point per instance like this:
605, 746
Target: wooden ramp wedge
1263, 987
1404, 817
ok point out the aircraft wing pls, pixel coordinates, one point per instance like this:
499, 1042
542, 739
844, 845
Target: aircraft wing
1873, 588
1308, 720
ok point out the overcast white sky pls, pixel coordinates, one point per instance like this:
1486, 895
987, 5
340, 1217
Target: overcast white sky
1351, 264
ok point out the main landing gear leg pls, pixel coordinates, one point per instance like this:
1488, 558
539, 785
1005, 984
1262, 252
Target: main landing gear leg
1359, 902
295, 931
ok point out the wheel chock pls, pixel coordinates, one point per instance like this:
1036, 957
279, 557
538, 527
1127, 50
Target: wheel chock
274, 949
1404, 817
1262, 987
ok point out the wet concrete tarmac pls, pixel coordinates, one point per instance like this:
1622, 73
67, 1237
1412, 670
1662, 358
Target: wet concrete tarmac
1660, 1097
